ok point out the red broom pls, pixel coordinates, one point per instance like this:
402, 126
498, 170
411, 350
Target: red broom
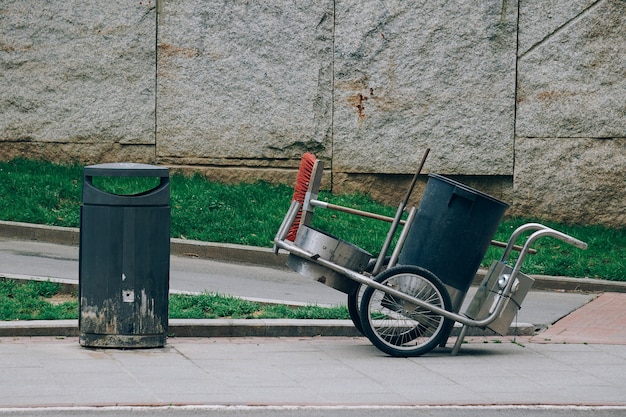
300, 189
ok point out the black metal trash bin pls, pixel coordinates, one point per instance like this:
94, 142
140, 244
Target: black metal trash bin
451, 233
124, 260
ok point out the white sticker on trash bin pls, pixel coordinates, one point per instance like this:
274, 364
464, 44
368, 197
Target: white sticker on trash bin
128, 296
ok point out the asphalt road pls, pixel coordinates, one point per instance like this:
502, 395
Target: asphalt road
186, 274
31, 258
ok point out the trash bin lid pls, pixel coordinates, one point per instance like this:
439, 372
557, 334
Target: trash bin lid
125, 169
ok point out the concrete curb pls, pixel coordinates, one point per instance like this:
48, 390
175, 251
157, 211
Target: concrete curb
180, 247
197, 328
232, 328
221, 327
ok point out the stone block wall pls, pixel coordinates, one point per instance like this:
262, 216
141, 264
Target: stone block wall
77, 80
570, 145
522, 99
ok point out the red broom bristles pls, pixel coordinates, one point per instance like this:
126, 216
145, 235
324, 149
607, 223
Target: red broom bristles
300, 189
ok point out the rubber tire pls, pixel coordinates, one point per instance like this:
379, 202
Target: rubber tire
354, 297
394, 344
354, 301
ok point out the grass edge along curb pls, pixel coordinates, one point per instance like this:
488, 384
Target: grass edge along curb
27, 302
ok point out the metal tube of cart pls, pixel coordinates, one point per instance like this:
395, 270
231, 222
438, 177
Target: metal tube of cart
342, 266
460, 318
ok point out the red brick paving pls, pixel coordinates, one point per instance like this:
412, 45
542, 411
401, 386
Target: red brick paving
602, 321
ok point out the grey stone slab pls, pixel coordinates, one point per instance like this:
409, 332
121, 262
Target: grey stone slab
244, 80
573, 83
584, 187
243, 89
441, 78
541, 19
55, 49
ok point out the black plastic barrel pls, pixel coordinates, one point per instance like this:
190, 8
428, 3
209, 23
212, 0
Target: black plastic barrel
124, 260
452, 231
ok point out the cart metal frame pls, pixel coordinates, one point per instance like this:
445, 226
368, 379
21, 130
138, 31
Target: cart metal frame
508, 279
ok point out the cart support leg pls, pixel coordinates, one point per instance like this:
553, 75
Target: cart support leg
459, 340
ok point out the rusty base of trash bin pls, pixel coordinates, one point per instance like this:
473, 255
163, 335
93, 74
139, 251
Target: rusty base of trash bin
122, 341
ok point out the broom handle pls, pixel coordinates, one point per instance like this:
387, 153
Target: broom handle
414, 181
398, 219
518, 248
372, 215
323, 204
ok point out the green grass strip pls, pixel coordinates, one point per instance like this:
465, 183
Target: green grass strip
43, 300
250, 214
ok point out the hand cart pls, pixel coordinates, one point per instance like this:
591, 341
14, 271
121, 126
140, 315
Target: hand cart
404, 309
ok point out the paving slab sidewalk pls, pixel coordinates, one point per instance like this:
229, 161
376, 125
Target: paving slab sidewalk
601, 321
572, 362
57, 372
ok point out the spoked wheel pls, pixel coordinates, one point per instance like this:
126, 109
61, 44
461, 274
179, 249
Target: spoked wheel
355, 297
401, 328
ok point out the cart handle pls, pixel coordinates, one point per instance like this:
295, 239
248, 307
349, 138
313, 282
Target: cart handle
546, 231
543, 231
